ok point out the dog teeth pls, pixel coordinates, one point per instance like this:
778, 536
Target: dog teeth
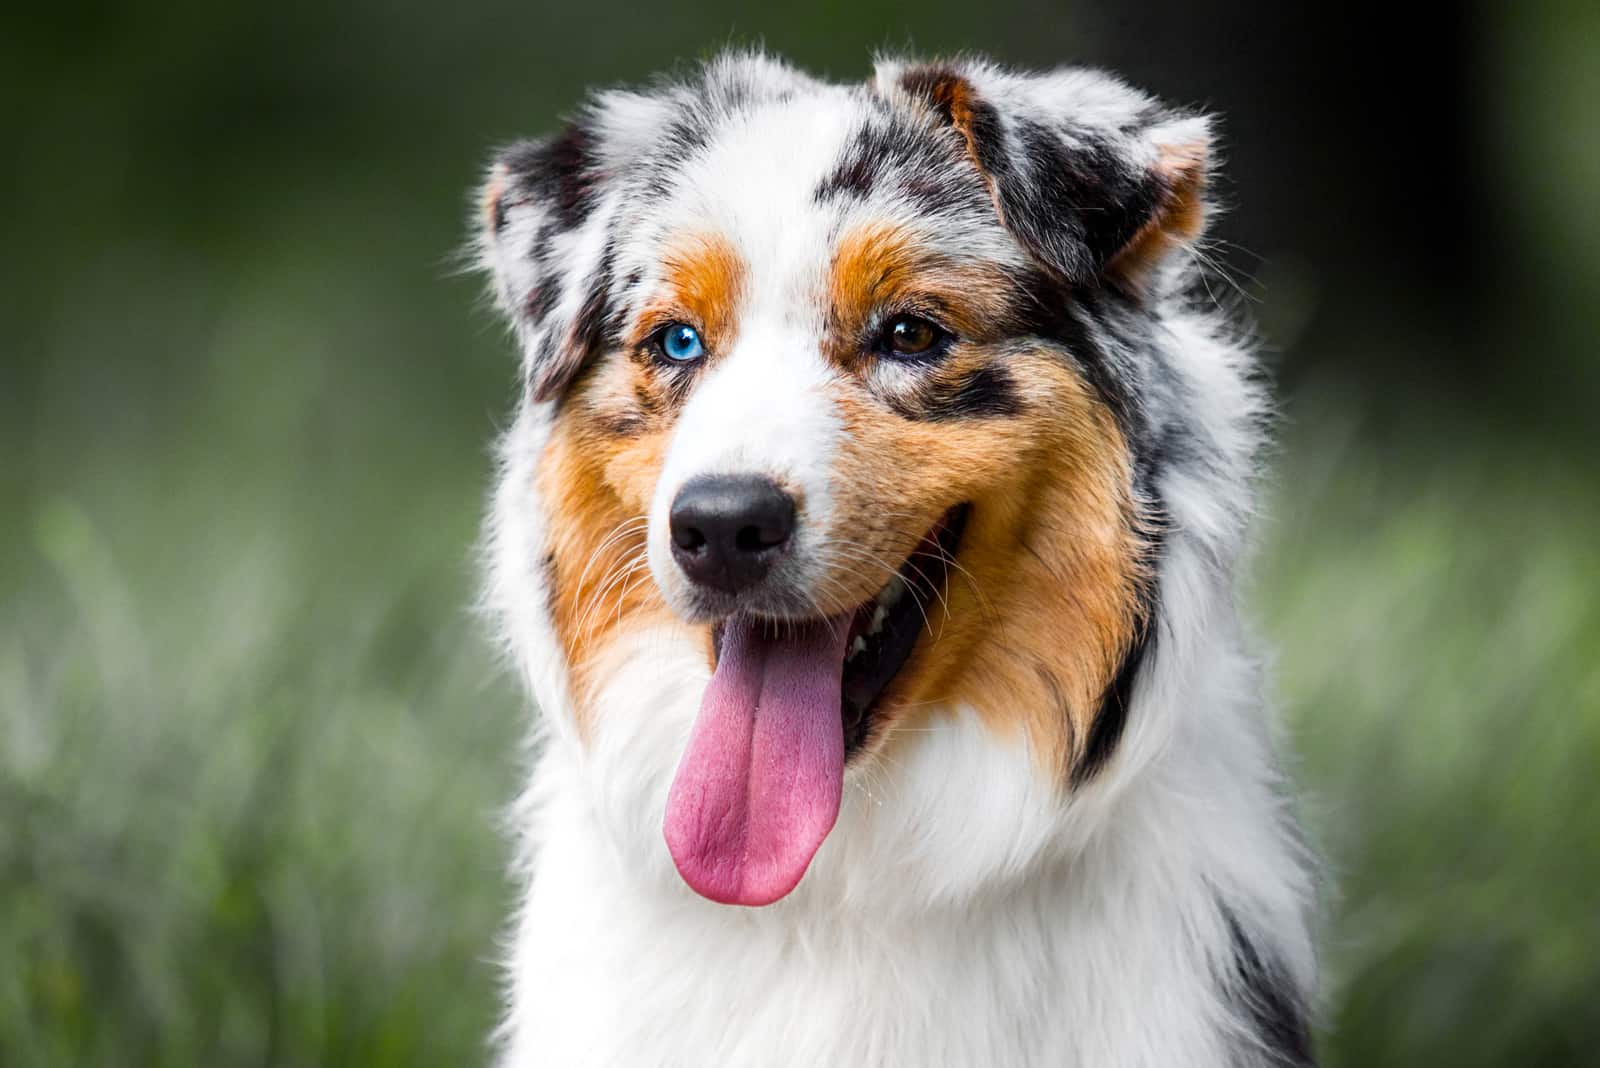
887, 599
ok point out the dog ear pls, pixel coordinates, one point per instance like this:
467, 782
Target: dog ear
1095, 179
547, 212
538, 204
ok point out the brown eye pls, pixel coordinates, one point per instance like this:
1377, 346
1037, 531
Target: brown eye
911, 335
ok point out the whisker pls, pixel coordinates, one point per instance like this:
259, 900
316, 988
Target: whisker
911, 589
624, 570
621, 530
622, 598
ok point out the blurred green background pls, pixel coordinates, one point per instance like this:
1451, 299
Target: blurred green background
252, 743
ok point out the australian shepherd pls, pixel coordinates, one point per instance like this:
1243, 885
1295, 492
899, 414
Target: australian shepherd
867, 536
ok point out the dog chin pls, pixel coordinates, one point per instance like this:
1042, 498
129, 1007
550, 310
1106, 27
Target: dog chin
778, 599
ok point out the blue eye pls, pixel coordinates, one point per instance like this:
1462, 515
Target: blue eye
681, 343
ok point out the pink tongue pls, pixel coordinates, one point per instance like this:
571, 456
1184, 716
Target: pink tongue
758, 787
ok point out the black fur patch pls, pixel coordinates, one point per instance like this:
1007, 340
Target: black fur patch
1070, 315
678, 140
552, 581
893, 152
1111, 718
541, 300
988, 392
1092, 325
563, 357
1275, 1009
879, 146
986, 133
627, 420
1069, 197
932, 83
942, 88
497, 212
559, 171
855, 176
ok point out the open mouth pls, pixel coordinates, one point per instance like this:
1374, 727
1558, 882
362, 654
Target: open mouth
884, 629
759, 785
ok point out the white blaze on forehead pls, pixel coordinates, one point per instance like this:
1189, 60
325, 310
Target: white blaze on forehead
756, 181
762, 409
762, 405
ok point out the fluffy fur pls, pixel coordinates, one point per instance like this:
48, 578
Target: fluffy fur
1062, 838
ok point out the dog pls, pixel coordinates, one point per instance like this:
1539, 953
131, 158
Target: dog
866, 535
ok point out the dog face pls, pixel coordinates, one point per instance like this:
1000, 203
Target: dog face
843, 386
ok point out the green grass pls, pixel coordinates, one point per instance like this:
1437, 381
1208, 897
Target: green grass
248, 826
251, 751
252, 747
1433, 604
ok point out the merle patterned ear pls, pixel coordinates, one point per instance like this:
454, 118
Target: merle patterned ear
550, 209
553, 210
1094, 178
545, 250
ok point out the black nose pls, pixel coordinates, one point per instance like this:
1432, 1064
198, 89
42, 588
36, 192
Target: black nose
728, 529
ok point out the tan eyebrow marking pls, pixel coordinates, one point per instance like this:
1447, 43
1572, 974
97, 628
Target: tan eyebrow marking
705, 278
881, 264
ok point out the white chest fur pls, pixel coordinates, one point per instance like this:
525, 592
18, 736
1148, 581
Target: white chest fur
959, 914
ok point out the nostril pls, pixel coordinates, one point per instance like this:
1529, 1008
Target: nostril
753, 539
689, 539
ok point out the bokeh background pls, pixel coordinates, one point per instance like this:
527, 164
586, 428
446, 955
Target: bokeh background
252, 742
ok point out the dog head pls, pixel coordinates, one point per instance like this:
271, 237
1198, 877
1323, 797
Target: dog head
842, 387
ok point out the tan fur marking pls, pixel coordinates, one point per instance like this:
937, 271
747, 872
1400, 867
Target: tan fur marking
705, 280
489, 199
599, 469
881, 267
953, 96
1041, 608
596, 489
1179, 219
